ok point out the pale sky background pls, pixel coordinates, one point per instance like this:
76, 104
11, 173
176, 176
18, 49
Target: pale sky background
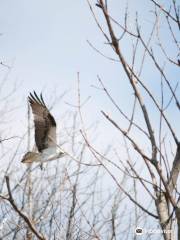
46, 43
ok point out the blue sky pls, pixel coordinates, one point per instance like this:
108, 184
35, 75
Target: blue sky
46, 43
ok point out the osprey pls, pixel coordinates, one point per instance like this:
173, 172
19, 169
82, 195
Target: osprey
45, 132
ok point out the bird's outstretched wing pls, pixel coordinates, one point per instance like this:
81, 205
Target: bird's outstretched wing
45, 125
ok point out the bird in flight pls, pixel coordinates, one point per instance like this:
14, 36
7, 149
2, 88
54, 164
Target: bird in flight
45, 133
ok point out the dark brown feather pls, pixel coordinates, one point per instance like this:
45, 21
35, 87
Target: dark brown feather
44, 122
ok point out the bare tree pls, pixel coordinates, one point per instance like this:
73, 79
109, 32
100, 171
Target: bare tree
65, 200
161, 157
106, 193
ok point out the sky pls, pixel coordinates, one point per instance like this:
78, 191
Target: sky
45, 42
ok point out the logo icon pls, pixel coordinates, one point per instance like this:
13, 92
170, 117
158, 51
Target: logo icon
138, 231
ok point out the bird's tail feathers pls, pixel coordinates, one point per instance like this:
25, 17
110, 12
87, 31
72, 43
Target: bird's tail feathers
31, 157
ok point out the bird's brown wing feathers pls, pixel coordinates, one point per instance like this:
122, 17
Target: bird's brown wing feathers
45, 125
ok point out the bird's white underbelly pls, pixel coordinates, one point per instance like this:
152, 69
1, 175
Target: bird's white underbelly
49, 151
50, 154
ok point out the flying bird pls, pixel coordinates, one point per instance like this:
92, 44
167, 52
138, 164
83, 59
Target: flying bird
45, 132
